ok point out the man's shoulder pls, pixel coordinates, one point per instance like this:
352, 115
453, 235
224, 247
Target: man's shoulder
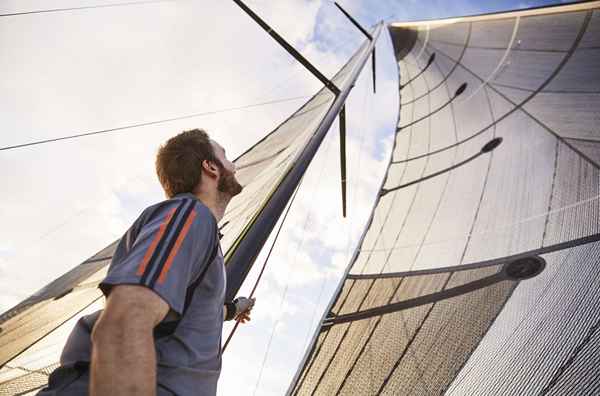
181, 206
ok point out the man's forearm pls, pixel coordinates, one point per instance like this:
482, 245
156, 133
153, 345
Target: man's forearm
123, 361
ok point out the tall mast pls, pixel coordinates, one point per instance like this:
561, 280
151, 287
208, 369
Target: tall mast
250, 243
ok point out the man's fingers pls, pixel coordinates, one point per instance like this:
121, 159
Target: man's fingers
243, 317
244, 306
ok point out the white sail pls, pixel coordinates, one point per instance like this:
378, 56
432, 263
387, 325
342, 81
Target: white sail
438, 298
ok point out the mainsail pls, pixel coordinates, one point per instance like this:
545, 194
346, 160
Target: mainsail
479, 271
33, 333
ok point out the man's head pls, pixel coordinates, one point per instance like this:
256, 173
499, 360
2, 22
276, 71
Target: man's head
191, 162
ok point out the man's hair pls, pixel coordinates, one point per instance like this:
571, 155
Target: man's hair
179, 161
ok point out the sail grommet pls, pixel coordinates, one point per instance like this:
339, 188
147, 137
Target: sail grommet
491, 145
524, 268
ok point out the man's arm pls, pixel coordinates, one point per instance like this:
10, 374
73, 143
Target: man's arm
123, 356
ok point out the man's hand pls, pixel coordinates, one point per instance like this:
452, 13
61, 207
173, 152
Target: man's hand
243, 307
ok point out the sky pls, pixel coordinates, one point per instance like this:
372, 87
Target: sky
71, 72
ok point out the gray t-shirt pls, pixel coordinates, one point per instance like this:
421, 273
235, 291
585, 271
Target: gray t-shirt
166, 250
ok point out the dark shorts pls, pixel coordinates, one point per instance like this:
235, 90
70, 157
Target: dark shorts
67, 380
73, 380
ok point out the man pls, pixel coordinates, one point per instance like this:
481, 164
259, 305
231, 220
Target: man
160, 330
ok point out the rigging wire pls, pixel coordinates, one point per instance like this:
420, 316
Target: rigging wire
366, 108
156, 122
32, 243
262, 270
284, 294
278, 87
350, 218
340, 46
129, 3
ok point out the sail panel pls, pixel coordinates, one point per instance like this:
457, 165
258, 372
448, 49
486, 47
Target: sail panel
29, 371
544, 325
530, 80
377, 344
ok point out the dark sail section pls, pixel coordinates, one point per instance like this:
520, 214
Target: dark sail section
451, 210
33, 333
392, 347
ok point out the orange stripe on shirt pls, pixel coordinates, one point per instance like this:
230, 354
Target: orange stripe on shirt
152, 246
178, 242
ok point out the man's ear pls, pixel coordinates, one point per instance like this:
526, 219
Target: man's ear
210, 168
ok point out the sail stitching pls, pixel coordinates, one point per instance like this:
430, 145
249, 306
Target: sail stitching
485, 263
454, 67
500, 63
520, 106
446, 184
493, 231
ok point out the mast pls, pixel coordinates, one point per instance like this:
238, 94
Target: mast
250, 243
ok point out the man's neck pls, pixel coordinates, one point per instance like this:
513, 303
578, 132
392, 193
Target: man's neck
216, 202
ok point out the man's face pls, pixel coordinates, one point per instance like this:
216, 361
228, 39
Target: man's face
227, 181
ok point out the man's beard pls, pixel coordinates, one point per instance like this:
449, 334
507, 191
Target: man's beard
228, 184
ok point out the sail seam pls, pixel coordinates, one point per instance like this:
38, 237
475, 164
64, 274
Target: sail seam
561, 370
548, 91
409, 343
550, 199
432, 175
454, 67
494, 231
360, 353
458, 92
501, 62
520, 106
485, 181
445, 188
431, 59
481, 47
485, 263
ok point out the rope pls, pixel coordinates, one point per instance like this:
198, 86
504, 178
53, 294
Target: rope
85, 7
262, 270
365, 107
131, 126
284, 294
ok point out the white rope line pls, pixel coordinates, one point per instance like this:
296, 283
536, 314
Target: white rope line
425, 42
500, 63
293, 268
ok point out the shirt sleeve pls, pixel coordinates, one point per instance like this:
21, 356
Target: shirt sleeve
168, 253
